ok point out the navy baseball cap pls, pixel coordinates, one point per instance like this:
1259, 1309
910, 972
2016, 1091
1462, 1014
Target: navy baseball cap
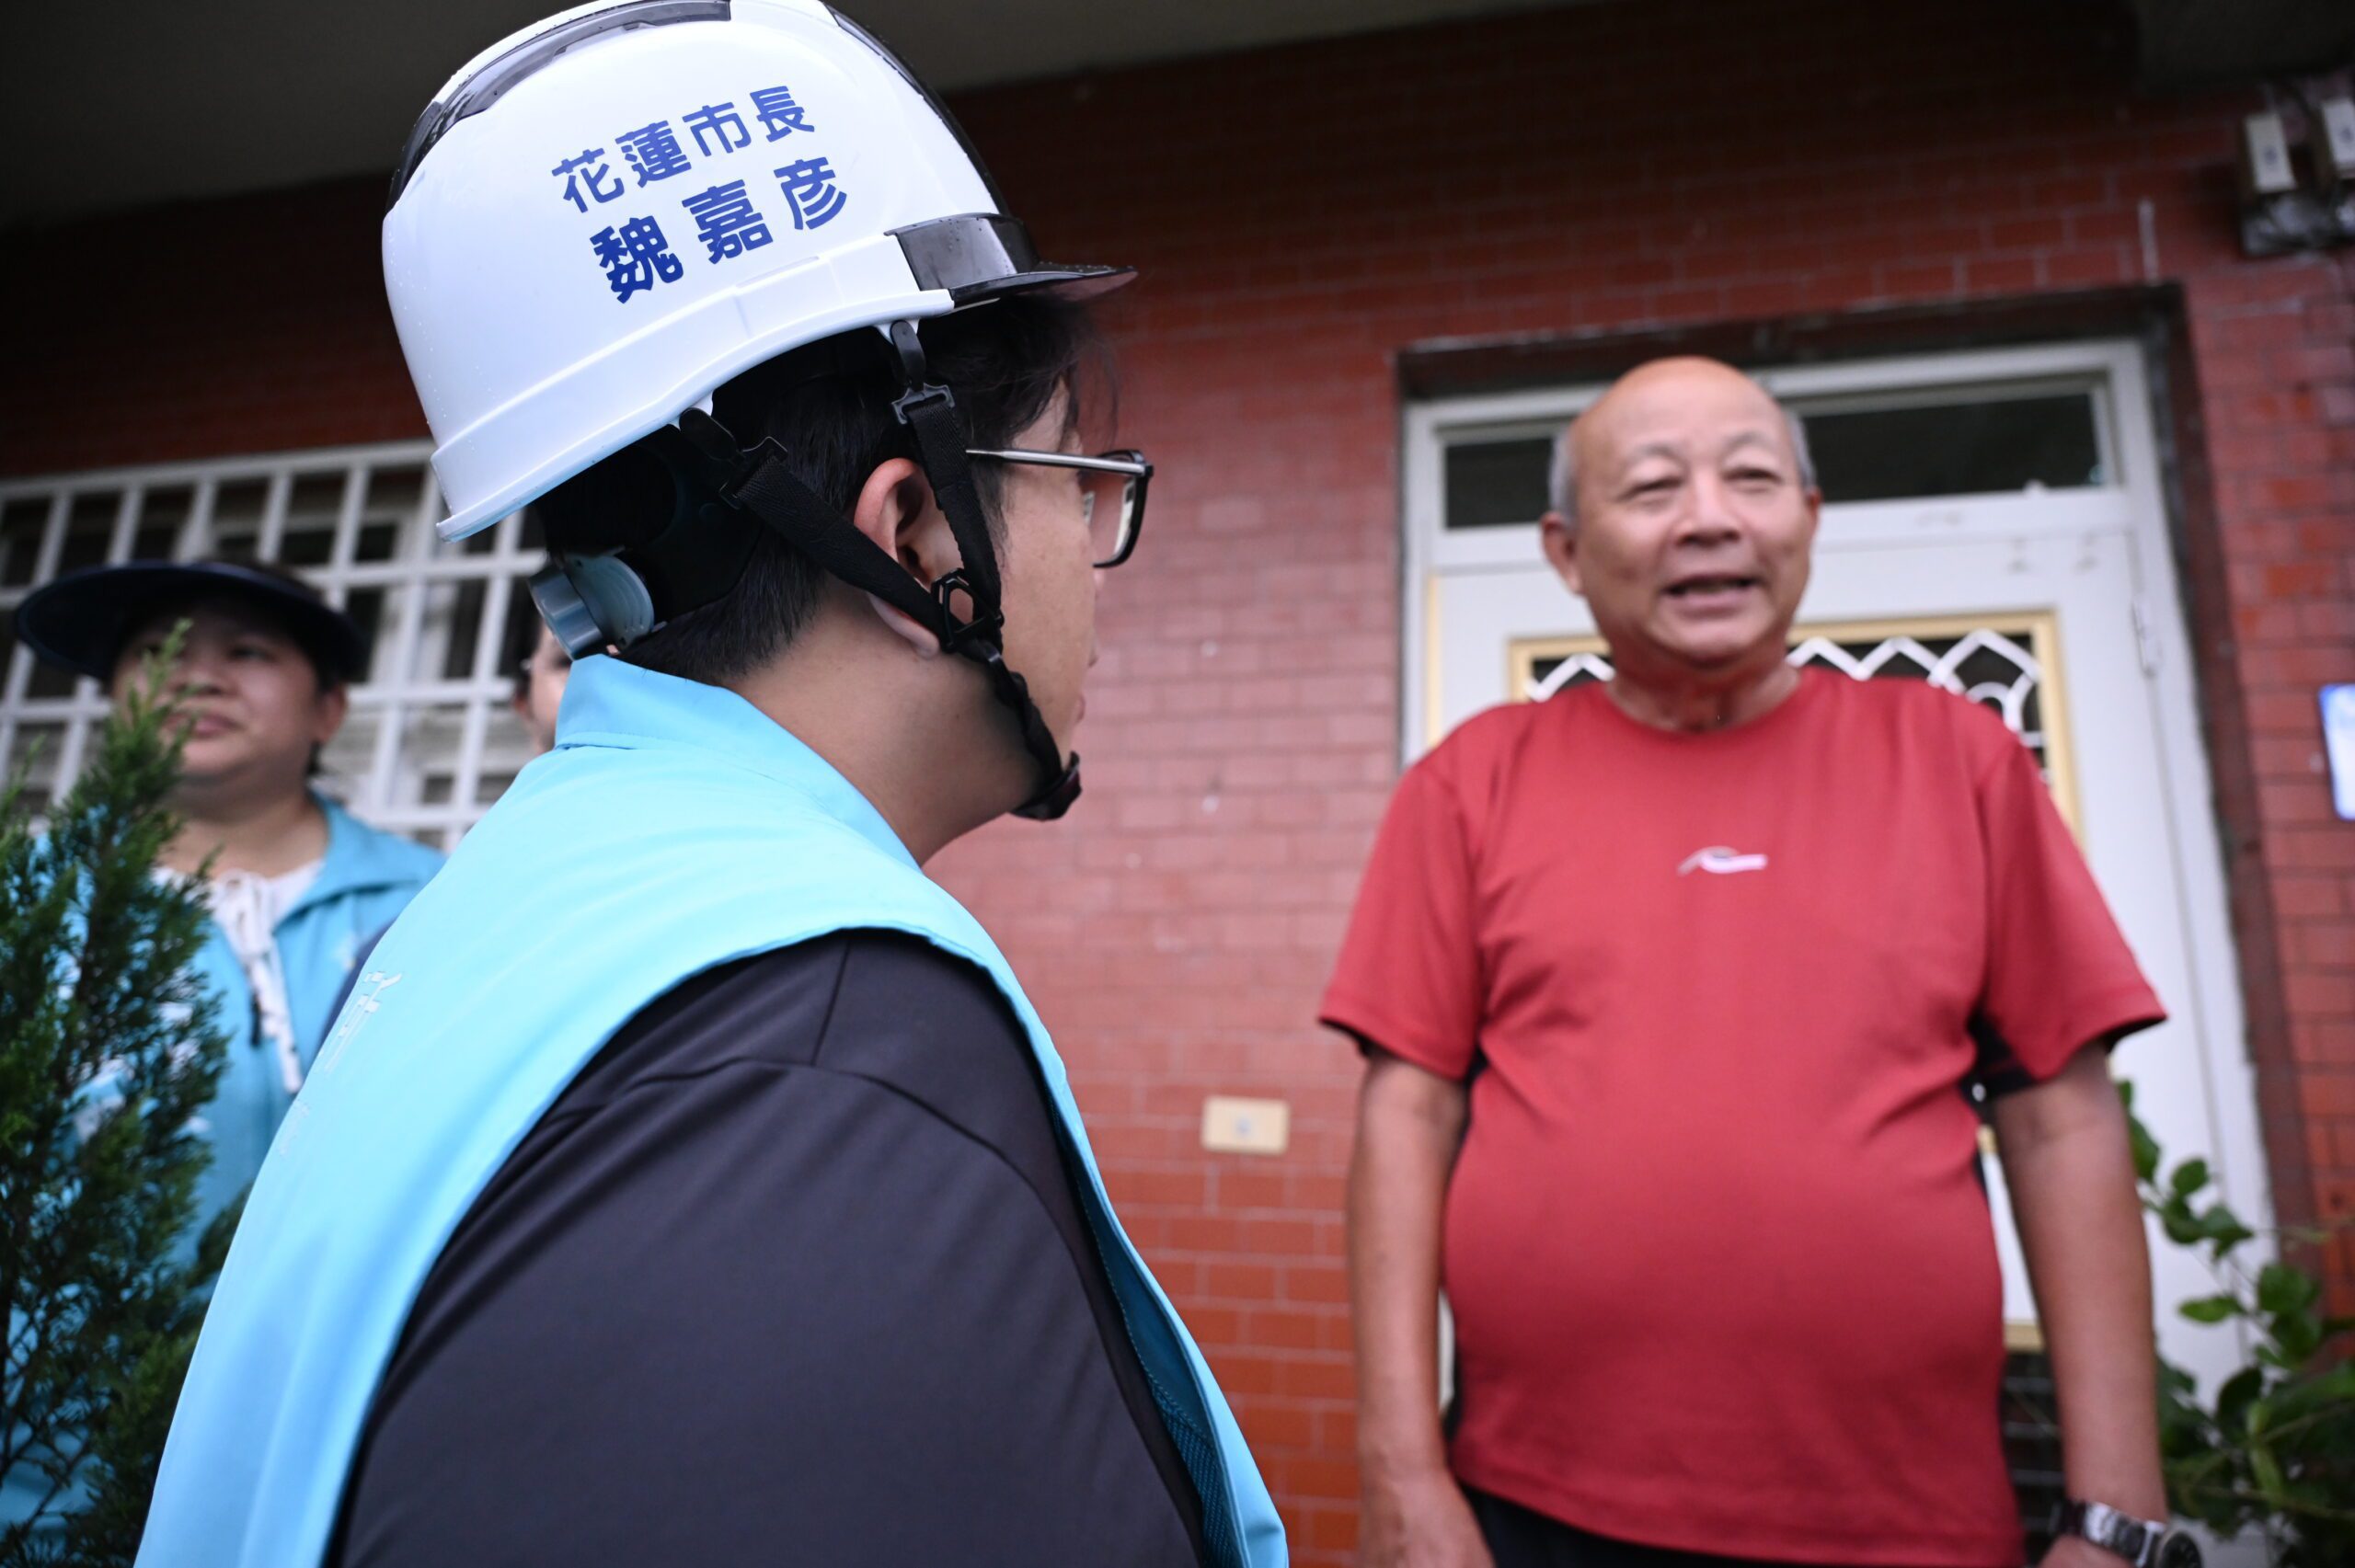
82, 620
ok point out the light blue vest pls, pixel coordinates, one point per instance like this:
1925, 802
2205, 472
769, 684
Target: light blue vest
674, 828
367, 877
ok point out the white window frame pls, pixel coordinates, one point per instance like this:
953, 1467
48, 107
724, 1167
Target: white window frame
2111, 372
408, 640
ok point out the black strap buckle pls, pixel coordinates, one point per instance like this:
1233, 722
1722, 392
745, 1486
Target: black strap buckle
923, 392
916, 397
953, 633
749, 461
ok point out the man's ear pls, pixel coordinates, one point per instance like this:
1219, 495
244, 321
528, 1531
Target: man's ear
1561, 545
896, 510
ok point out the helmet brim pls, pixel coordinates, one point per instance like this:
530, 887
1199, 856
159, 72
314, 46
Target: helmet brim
985, 255
1074, 284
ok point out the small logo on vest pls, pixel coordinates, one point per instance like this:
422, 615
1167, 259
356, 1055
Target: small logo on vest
364, 1005
1718, 860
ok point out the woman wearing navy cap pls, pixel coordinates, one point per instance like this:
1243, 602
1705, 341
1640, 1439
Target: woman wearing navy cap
297, 885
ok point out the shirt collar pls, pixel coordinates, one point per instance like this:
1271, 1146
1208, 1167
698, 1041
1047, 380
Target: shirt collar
359, 857
610, 704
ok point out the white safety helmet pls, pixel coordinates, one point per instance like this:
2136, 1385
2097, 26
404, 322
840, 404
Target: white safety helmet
603, 218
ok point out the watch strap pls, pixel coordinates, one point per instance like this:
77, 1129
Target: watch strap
2136, 1541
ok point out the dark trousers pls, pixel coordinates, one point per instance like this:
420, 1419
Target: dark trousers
1521, 1538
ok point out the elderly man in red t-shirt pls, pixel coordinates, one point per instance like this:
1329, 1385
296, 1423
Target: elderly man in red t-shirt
1670, 990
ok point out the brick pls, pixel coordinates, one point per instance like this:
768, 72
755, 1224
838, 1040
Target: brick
1316, 1378
2323, 944
2315, 995
1272, 1428
2329, 1042
1240, 1281
1325, 1285
2295, 896
1186, 1190
1282, 1329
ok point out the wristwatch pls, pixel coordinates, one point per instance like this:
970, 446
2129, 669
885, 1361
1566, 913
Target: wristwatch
2144, 1543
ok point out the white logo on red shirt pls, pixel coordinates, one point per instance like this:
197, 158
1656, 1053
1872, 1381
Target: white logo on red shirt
1721, 861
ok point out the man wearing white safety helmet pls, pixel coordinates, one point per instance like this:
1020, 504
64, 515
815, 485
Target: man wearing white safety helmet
687, 1179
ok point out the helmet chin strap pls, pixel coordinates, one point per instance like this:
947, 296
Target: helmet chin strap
757, 480
929, 411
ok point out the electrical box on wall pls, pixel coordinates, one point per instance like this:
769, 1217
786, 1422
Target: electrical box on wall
2292, 201
2334, 138
2265, 156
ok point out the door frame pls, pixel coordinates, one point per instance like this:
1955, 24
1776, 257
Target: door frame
2117, 372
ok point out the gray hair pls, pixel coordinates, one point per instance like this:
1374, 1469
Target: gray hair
1562, 478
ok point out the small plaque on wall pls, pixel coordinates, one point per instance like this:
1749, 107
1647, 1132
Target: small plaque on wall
1232, 1125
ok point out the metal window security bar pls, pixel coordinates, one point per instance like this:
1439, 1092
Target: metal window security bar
432, 739
2006, 663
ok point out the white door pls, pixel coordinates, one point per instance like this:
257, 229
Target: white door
2031, 571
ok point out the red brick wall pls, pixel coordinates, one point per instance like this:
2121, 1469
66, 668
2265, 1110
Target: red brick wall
1302, 215
209, 329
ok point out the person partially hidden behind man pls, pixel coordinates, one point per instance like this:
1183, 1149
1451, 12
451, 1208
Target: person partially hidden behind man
1669, 988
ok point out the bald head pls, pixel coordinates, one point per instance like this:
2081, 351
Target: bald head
1590, 438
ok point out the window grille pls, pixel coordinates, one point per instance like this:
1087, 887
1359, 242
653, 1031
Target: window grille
431, 739
2003, 662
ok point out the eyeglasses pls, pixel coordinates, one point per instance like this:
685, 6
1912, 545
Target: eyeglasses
1111, 488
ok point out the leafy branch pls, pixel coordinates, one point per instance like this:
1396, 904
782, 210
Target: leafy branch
2275, 1449
108, 1050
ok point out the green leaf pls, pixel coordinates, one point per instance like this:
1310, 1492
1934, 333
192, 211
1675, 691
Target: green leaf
2146, 1149
2218, 1220
2282, 1289
2212, 1309
2188, 1178
2233, 1401
2222, 1238
2298, 1335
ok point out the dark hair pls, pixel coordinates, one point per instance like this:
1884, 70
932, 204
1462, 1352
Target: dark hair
829, 405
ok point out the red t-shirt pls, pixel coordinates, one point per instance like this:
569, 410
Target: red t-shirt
1722, 1270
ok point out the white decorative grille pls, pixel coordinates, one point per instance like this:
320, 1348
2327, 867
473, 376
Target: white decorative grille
1993, 663
431, 742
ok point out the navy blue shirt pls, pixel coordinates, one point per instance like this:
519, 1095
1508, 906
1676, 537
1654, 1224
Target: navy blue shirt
792, 1273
